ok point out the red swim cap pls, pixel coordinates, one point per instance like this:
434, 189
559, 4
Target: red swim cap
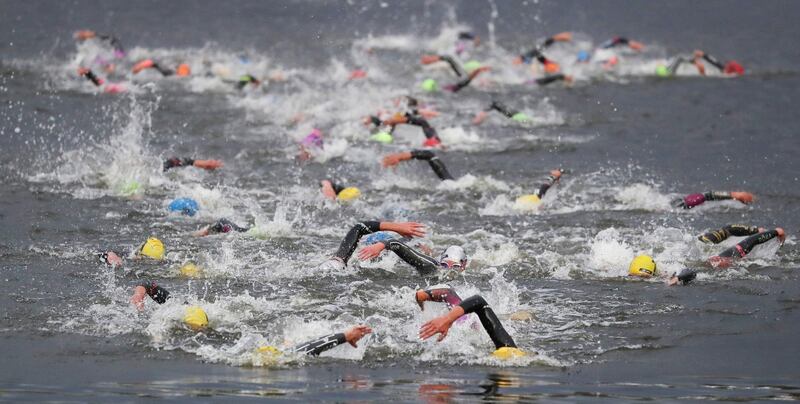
733, 67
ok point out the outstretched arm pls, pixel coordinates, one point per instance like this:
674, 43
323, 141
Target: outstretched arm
322, 344
173, 162
348, 245
437, 293
554, 176
475, 304
738, 230
157, 293
427, 155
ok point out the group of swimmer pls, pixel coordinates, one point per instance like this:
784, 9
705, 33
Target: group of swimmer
401, 237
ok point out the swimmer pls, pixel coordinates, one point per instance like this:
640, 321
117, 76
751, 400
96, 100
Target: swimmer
503, 109
699, 58
151, 248
220, 226
119, 51
457, 69
246, 79
692, 200
621, 41
466, 42
310, 145
334, 191
174, 162
431, 136
148, 288
111, 88
150, 64
742, 248
552, 78
467, 80
478, 305
643, 266
736, 230
536, 53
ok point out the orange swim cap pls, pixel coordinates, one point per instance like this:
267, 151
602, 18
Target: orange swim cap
183, 70
552, 67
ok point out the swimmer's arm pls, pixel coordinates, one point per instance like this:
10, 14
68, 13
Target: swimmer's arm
351, 335
396, 120
554, 176
712, 60
441, 325
440, 294
683, 277
741, 196
157, 293
348, 245
543, 81
453, 65
424, 264
329, 189
137, 299
208, 164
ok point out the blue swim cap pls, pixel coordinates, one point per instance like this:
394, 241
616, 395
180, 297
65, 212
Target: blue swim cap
186, 206
378, 237
583, 56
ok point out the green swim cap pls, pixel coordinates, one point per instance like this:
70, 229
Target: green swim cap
662, 71
430, 85
521, 117
129, 188
382, 137
471, 65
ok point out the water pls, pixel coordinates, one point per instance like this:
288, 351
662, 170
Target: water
631, 142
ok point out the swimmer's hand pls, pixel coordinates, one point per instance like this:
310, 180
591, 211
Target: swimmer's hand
440, 325
208, 164
113, 260
138, 297
327, 190
781, 234
743, 197
353, 334
405, 229
635, 45
394, 159
371, 251
563, 36
421, 297
83, 35
480, 117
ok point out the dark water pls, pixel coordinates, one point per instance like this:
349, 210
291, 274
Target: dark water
631, 142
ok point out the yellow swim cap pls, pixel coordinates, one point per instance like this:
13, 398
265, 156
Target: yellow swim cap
267, 355
152, 248
508, 352
190, 269
643, 266
348, 194
195, 317
527, 202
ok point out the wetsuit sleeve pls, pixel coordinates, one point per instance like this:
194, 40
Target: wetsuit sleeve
502, 108
350, 241
453, 65
547, 42
745, 246
443, 294
93, 78
712, 60
544, 187
436, 164
164, 71
535, 53
321, 344
673, 67
738, 230
173, 162
423, 123
717, 196
543, 81
375, 120
424, 264
225, 226
157, 293
686, 275
476, 304
614, 42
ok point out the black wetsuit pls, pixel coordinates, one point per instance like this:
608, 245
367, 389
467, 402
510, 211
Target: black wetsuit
245, 80
427, 129
476, 304
745, 246
424, 264
93, 78
549, 181
457, 69
463, 82
321, 344
536, 53
163, 70
157, 293
616, 41
543, 81
673, 67
436, 164
225, 226
502, 108
173, 162
692, 200
737, 230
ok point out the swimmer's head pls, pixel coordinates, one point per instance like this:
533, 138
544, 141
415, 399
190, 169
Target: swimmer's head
183, 70
551, 67
430, 85
348, 194
508, 352
186, 206
472, 65
190, 269
195, 317
642, 266
662, 71
382, 137
453, 258
733, 67
152, 248
583, 56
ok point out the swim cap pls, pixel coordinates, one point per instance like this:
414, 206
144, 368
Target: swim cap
430, 85
527, 202
190, 269
662, 71
129, 188
643, 266
186, 206
183, 70
267, 355
152, 248
378, 237
508, 352
348, 194
382, 137
551, 67
583, 56
453, 257
733, 67
520, 117
195, 317
472, 65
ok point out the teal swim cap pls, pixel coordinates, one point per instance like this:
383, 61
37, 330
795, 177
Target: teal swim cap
662, 71
471, 65
382, 137
521, 117
430, 85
